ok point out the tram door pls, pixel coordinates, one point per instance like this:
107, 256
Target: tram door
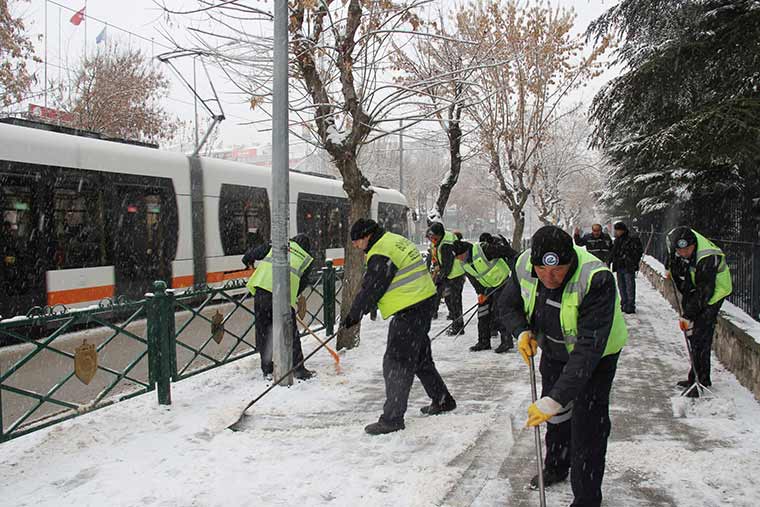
22, 253
140, 242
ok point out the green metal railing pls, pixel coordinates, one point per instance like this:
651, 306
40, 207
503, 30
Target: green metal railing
140, 346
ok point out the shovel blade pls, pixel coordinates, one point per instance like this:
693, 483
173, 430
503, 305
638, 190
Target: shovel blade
240, 424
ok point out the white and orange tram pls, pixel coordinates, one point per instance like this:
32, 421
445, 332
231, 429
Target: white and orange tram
85, 218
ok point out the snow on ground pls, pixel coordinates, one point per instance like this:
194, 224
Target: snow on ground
305, 445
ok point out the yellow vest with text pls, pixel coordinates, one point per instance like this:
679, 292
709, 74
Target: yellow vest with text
572, 296
412, 283
723, 283
456, 270
299, 263
488, 273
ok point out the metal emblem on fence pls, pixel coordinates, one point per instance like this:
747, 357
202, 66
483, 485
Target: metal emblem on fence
217, 327
301, 311
86, 362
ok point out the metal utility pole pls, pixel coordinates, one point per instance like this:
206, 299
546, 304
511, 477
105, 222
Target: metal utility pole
195, 105
401, 156
282, 326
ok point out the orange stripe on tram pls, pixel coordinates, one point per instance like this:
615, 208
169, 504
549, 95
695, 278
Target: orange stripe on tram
71, 296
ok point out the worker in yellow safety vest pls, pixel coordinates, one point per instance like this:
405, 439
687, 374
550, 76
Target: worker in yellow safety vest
487, 265
563, 299
450, 277
700, 272
397, 282
260, 285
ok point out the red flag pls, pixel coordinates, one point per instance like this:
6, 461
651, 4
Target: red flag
77, 17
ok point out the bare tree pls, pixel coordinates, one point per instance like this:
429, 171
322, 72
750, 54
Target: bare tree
423, 65
521, 98
340, 59
117, 92
16, 50
567, 171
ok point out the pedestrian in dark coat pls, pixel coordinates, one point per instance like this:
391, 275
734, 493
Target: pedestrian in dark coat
625, 258
597, 242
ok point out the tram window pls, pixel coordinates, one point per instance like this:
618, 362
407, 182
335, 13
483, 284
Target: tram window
324, 220
393, 218
244, 219
78, 228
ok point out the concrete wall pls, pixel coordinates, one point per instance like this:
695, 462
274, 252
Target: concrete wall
736, 349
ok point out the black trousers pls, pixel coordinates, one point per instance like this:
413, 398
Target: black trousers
452, 295
408, 354
580, 443
262, 308
701, 343
488, 320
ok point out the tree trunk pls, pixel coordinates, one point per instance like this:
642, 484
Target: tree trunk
518, 218
360, 199
455, 166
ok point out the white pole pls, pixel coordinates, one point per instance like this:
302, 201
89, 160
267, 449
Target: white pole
195, 104
401, 157
282, 326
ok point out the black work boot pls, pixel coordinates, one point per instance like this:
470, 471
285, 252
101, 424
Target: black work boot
550, 477
505, 346
381, 427
683, 383
693, 392
303, 374
447, 405
480, 346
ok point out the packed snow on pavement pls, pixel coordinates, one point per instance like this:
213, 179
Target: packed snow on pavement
305, 445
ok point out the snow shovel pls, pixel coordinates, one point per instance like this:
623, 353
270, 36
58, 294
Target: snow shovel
239, 424
332, 352
537, 434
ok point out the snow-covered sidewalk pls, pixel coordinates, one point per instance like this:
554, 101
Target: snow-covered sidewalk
306, 446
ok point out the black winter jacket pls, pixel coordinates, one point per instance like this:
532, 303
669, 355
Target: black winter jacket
695, 298
600, 246
626, 253
595, 316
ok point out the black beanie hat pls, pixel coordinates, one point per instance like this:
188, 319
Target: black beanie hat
303, 241
363, 228
620, 226
551, 246
485, 238
437, 229
461, 247
681, 237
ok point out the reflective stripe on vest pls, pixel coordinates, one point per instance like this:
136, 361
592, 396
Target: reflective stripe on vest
723, 283
572, 297
412, 282
299, 263
456, 269
488, 273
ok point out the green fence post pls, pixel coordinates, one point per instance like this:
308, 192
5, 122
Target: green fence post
328, 290
161, 353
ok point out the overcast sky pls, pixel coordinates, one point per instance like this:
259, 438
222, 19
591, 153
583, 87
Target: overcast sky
143, 18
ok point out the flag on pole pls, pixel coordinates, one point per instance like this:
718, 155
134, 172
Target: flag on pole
101, 36
77, 17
